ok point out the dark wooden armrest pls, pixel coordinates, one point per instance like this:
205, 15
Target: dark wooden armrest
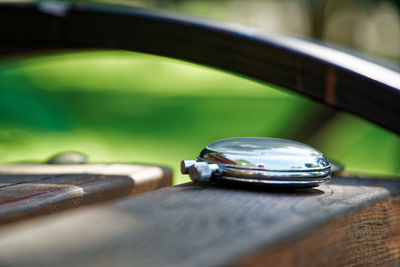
28, 190
349, 221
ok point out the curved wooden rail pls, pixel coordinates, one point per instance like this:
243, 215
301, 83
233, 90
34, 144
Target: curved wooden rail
330, 76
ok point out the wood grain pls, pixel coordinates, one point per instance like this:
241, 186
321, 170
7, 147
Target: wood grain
370, 237
349, 221
29, 190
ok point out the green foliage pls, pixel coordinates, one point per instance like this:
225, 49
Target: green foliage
127, 107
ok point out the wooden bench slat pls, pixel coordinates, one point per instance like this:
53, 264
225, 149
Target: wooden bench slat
28, 190
348, 221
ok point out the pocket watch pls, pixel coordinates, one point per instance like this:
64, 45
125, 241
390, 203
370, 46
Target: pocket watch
259, 161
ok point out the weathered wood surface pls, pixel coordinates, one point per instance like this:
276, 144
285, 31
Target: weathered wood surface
28, 190
349, 221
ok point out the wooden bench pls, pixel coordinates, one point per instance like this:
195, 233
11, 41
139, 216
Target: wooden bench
29, 190
348, 221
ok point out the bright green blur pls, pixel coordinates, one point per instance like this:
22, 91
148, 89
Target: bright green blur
127, 107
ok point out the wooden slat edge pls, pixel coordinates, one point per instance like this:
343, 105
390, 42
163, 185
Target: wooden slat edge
370, 237
74, 186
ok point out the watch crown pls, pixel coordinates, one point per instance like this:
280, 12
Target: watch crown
202, 171
186, 164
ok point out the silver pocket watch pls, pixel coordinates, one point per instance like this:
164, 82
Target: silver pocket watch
259, 161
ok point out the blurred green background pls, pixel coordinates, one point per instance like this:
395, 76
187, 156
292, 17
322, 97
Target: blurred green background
119, 106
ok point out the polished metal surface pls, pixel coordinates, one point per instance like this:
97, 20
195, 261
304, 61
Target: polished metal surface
265, 161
